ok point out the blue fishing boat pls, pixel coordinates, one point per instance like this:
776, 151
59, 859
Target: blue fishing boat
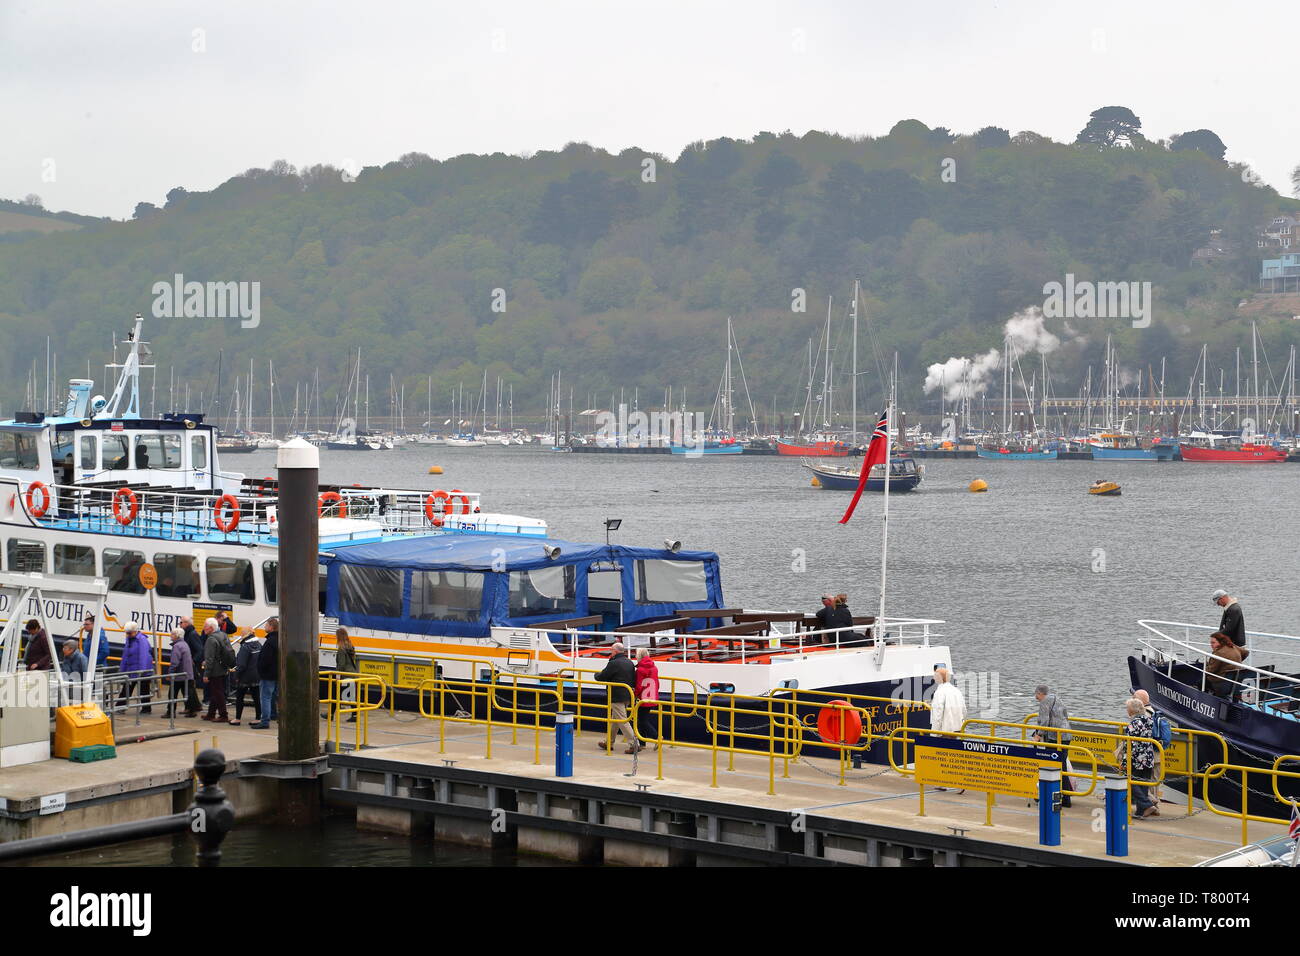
904, 475
1004, 453
1113, 446
708, 448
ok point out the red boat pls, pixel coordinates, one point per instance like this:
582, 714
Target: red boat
1251, 453
816, 449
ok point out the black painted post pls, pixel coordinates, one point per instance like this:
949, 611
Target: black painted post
211, 815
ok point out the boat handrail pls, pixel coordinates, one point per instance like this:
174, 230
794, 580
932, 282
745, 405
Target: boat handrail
1148, 622
1151, 644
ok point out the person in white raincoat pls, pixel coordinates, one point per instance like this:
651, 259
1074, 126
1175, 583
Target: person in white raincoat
947, 705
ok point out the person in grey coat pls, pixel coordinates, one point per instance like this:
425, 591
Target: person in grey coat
181, 668
1052, 713
218, 658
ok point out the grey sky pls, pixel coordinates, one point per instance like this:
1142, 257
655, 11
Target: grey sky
116, 97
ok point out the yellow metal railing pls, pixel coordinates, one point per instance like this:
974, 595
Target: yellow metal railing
1273, 773
348, 697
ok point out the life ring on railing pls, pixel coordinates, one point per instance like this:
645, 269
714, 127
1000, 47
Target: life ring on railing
218, 513
45, 499
839, 725
441, 498
464, 500
332, 496
133, 508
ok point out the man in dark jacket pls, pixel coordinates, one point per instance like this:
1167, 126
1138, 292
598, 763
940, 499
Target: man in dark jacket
195, 641
38, 657
268, 672
1233, 624
621, 673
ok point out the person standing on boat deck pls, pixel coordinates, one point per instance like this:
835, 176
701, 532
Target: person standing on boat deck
218, 658
647, 695
1143, 753
268, 672
226, 624
1226, 656
1052, 713
37, 657
137, 660
823, 616
182, 671
622, 675
1232, 623
246, 679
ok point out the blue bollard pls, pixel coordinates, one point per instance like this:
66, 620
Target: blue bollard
1049, 807
1116, 816
564, 745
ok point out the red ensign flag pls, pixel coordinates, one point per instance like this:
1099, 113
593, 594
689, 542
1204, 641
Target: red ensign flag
875, 456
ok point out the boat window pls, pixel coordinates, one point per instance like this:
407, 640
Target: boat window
122, 568
18, 451
63, 442
270, 580
670, 582
178, 575
115, 456
25, 556
446, 595
605, 586
198, 452
543, 591
89, 452
230, 579
75, 559
157, 451
376, 592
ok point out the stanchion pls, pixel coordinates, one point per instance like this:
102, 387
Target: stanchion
564, 745
1049, 807
1117, 816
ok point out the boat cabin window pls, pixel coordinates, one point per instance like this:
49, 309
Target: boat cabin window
24, 556
446, 595
122, 568
115, 453
670, 582
376, 592
230, 579
178, 575
89, 453
543, 591
270, 580
18, 451
74, 559
198, 452
157, 451
62, 456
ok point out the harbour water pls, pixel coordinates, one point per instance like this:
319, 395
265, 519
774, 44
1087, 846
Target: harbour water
1035, 579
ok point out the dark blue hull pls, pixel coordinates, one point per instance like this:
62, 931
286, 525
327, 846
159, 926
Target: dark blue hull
838, 482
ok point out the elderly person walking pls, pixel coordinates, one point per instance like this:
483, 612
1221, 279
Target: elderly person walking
1052, 713
947, 706
1143, 753
218, 659
622, 675
647, 695
182, 671
137, 663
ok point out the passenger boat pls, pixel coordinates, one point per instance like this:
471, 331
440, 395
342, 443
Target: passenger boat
1256, 712
904, 475
1004, 453
814, 448
1101, 487
1244, 452
428, 583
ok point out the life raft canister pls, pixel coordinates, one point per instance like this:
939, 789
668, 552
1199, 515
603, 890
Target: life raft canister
219, 513
45, 499
440, 498
839, 724
328, 497
133, 506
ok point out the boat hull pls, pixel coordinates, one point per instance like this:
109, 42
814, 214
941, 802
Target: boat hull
844, 482
995, 455
820, 449
694, 451
1256, 454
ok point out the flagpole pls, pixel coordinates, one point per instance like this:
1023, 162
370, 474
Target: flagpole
884, 525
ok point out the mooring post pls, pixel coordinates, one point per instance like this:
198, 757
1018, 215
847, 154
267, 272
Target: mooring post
1116, 816
1049, 807
298, 464
564, 745
211, 814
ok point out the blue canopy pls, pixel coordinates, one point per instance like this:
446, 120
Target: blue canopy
496, 557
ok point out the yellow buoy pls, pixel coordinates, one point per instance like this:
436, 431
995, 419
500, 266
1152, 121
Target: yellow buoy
435, 469
979, 484
816, 483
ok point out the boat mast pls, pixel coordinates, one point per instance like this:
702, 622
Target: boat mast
853, 309
826, 376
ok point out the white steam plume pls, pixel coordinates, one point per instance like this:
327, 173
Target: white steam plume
971, 376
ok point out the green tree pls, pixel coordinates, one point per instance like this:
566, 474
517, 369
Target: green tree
1203, 140
1111, 126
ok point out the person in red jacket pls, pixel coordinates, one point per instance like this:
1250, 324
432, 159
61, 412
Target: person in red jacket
647, 691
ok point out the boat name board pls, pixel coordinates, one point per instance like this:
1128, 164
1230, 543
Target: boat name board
1210, 709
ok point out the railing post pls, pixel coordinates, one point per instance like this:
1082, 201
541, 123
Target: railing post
564, 744
1117, 815
1049, 807
211, 815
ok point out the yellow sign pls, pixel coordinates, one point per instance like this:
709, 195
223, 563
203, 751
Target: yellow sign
382, 668
148, 577
1177, 754
410, 675
983, 765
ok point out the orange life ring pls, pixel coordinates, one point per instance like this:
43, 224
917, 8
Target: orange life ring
464, 500
839, 725
45, 499
133, 509
218, 513
328, 497
441, 498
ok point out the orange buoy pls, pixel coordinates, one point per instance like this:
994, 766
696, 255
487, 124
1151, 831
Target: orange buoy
332, 497
219, 513
133, 506
34, 511
839, 724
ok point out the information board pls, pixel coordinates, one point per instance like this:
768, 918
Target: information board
1008, 768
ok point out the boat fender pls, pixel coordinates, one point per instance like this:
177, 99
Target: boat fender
439, 498
45, 499
219, 513
132, 508
839, 724
328, 497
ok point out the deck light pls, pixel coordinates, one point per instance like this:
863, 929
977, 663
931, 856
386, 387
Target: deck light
611, 524
552, 551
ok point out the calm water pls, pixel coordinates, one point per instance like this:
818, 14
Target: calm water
1011, 572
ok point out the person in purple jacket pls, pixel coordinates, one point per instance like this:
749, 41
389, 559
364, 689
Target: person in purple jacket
182, 671
137, 662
